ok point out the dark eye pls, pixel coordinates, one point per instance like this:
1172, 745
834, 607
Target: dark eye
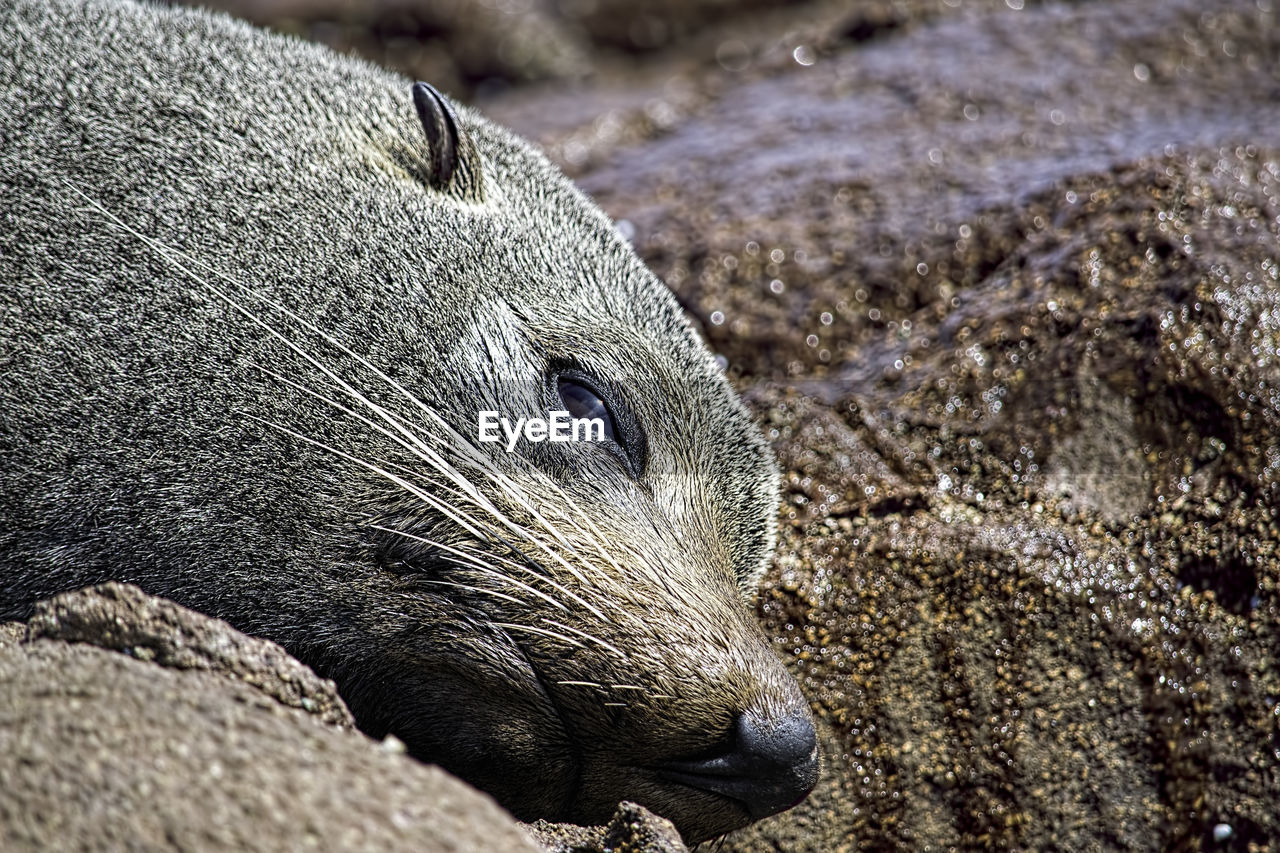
582, 402
587, 397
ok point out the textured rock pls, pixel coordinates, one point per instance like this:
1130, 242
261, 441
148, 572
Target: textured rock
633, 829
191, 739
454, 44
122, 618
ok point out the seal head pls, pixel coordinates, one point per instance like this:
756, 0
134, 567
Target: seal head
248, 331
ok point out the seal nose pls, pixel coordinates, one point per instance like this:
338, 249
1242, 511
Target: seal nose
772, 766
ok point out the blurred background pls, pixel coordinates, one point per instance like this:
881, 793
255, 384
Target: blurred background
474, 48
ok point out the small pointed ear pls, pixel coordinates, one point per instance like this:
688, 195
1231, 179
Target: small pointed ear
455, 161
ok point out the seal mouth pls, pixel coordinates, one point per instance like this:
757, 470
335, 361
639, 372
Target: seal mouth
771, 765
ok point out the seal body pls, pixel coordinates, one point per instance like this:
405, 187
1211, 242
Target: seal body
246, 326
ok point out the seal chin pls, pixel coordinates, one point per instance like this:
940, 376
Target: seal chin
493, 722
499, 751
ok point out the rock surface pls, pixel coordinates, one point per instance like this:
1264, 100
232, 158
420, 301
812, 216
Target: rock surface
127, 722
634, 829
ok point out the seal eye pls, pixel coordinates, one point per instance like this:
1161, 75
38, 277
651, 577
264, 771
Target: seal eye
585, 396
582, 402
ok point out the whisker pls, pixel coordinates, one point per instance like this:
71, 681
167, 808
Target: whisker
169, 255
463, 490
367, 422
425, 451
466, 490
469, 496
593, 535
475, 589
512, 491
536, 630
426, 497
599, 642
470, 561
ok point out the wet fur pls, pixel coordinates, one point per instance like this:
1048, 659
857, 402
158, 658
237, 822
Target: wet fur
243, 343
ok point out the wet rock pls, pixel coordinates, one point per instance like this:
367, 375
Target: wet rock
150, 726
1002, 285
833, 198
654, 24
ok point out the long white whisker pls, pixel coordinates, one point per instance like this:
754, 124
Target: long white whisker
476, 589
440, 506
599, 642
428, 498
455, 491
594, 535
465, 489
425, 451
536, 630
512, 490
470, 561
169, 255
410, 440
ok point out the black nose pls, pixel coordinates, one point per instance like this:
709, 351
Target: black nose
772, 765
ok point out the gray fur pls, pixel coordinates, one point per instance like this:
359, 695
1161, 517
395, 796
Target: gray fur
181, 195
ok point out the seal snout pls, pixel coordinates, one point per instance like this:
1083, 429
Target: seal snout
771, 766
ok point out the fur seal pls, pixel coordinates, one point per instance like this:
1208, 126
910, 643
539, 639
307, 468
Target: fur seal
254, 295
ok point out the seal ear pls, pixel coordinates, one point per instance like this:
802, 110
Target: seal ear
454, 159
